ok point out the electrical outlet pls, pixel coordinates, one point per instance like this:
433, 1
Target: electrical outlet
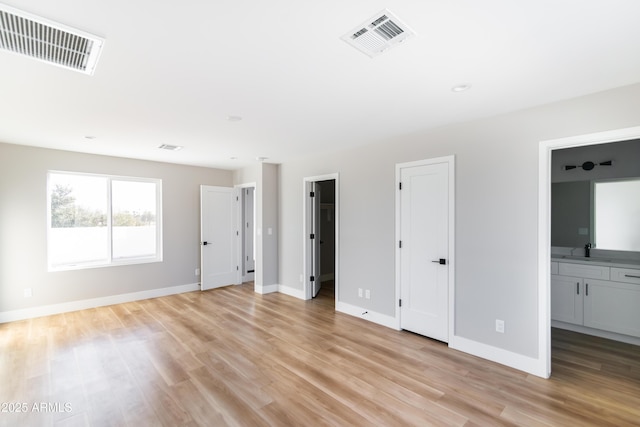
500, 326
28, 293
197, 272
359, 292
367, 294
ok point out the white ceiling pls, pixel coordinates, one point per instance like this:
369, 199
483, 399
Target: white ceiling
173, 72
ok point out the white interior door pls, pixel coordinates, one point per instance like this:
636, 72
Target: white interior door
315, 243
424, 250
218, 238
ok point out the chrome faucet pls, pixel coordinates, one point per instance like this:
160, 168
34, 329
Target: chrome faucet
587, 250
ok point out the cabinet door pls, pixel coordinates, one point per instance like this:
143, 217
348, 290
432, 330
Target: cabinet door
612, 306
566, 299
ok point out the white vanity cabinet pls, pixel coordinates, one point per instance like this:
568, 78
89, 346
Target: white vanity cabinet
597, 296
612, 306
566, 299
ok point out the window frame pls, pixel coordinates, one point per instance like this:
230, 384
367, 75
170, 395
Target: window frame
110, 261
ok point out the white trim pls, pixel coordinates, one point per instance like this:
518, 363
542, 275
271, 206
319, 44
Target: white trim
544, 227
450, 160
307, 182
498, 355
48, 310
371, 316
293, 292
265, 289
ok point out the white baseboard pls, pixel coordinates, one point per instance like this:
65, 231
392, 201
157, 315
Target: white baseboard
514, 360
296, 293
48, 310
265, 289
372, 316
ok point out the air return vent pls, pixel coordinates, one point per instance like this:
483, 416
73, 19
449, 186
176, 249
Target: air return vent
376, 35
38, 38
170, 147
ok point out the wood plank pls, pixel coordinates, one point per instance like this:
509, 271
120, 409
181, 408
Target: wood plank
233, 357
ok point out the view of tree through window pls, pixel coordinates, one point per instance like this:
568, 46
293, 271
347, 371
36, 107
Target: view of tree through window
101, 220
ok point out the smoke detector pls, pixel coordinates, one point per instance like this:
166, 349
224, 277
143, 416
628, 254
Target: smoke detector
377, 34
29, 35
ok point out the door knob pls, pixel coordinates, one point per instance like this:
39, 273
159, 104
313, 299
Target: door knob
441, 261
205, 243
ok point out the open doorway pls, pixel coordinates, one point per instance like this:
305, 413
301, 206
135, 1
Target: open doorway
247, 233
321, 231
550, 278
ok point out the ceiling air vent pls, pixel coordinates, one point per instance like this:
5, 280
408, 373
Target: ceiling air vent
381, 32
170, 147
38, 38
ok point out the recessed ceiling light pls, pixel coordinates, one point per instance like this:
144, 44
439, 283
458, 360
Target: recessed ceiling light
261, 159
234, 118
233, 158
461, 88
90, 137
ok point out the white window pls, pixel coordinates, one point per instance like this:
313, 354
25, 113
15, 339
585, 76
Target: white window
97, 220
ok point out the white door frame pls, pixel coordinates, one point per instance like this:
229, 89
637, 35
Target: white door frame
544, 226
307, 184
234, 225
241, 228
450, 160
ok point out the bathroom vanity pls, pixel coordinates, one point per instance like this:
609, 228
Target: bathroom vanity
596, 295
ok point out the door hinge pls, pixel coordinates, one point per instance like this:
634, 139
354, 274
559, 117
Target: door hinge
237, 233
312, 236
312, 194
237, 268
399, 303
400, 186
237, 199
312, 279
400, 244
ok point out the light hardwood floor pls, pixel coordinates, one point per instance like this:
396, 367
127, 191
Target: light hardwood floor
233, 357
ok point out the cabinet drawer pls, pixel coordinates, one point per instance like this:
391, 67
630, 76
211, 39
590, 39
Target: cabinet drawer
583, 270
627, 275
554, 267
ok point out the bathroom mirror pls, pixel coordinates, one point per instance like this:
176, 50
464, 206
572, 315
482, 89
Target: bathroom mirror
605, 213
616, 214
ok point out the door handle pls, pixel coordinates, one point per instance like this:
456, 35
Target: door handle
205, 243
441, 261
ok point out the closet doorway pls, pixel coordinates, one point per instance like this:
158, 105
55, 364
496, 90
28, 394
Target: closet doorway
321, 231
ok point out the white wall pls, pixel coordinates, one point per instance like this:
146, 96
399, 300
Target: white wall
23, 228
496, 212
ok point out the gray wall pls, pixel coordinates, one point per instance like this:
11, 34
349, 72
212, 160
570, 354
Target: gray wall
23, 228
496, 212
625, 156
570, 211
571, 189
